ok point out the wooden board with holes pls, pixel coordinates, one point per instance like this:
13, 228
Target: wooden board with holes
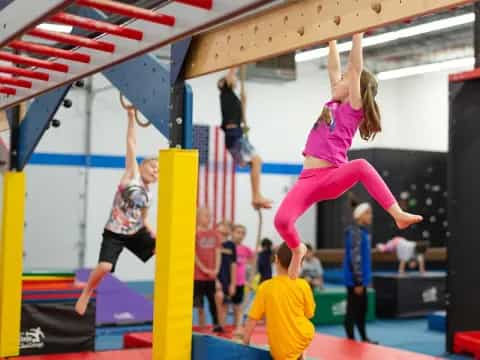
298, 25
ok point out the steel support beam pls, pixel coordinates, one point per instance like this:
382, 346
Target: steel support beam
298, 25
33, 126
144, 81
177, 94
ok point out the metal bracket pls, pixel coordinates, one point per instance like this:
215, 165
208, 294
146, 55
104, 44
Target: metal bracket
178, 134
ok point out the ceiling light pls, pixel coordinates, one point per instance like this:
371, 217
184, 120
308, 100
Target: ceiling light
468, 62
392, 36
55, 27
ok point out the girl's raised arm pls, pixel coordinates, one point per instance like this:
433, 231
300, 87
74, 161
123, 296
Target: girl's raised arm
354, 71
334, 66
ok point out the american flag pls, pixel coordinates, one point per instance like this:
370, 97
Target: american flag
216, 173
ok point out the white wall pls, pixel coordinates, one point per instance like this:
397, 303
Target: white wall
414, 117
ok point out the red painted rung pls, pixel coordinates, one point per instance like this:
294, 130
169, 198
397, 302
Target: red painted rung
15, 82
24, 60
49, 51
128, 10
95, 25
24, 72
73, 40
204, 4
8, 90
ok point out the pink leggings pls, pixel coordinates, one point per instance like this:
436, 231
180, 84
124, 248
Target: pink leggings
320, 184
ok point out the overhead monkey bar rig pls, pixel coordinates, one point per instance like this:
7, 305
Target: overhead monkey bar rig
146, 30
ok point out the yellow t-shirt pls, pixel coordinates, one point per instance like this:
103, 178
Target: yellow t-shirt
287, 306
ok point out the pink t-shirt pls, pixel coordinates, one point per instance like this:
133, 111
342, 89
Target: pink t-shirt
244, 255
331, 142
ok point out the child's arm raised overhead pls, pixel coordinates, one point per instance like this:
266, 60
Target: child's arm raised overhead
354, 71
131, 165
334, 66
231, 76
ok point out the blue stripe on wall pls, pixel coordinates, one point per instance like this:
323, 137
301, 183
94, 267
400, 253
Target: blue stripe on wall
118, 162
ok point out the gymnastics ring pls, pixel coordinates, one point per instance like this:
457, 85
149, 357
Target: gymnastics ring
130, 107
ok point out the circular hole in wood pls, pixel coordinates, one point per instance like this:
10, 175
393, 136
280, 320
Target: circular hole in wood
319, 9
270, 39
229, 37
242, 48
337, 20
285, 19
301, 31
377, 7
255, 29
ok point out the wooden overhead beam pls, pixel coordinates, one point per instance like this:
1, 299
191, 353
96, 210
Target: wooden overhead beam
298, 25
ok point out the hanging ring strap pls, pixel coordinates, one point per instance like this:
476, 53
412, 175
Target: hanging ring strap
127, 107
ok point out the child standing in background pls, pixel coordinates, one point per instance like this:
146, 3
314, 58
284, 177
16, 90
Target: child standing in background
227, 277
357, 270
287, 306
245, 255
312, 270
264, 260
207, 264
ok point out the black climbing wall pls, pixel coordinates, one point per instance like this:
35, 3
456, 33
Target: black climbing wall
463, 282
417, 179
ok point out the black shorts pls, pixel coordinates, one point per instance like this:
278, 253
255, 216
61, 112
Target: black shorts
237, 299
201, 289
142, 244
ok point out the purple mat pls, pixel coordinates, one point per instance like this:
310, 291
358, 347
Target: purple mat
117, 303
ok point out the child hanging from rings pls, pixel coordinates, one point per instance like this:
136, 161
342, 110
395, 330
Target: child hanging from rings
327, 173
236, 142
127, 225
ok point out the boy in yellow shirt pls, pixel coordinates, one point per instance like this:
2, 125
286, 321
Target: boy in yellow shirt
287, 306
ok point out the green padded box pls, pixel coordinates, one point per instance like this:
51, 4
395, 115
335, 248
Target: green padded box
331, 305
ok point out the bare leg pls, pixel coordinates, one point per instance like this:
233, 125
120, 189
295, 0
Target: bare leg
258, 201
401, 267
238, 314
403, 219
296, 263
201, 317
96, 276
421, 265
220, 307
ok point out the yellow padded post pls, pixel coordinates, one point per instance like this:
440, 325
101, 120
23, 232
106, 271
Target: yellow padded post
177, 196
11, 256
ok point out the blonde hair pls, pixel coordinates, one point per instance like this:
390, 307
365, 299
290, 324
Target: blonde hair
371, 123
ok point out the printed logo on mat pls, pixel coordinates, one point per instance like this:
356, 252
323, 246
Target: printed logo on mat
124, 316
32, 339
340, 308
430, 295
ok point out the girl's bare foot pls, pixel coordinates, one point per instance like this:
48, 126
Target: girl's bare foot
82, 304
259, 202
296, 263
404, 219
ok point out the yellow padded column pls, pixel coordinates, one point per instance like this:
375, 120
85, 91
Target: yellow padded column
177, 196
11, 256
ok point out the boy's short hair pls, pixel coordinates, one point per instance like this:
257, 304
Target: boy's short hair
266, 243
238, 226
226, 223
309, 247
284, 255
